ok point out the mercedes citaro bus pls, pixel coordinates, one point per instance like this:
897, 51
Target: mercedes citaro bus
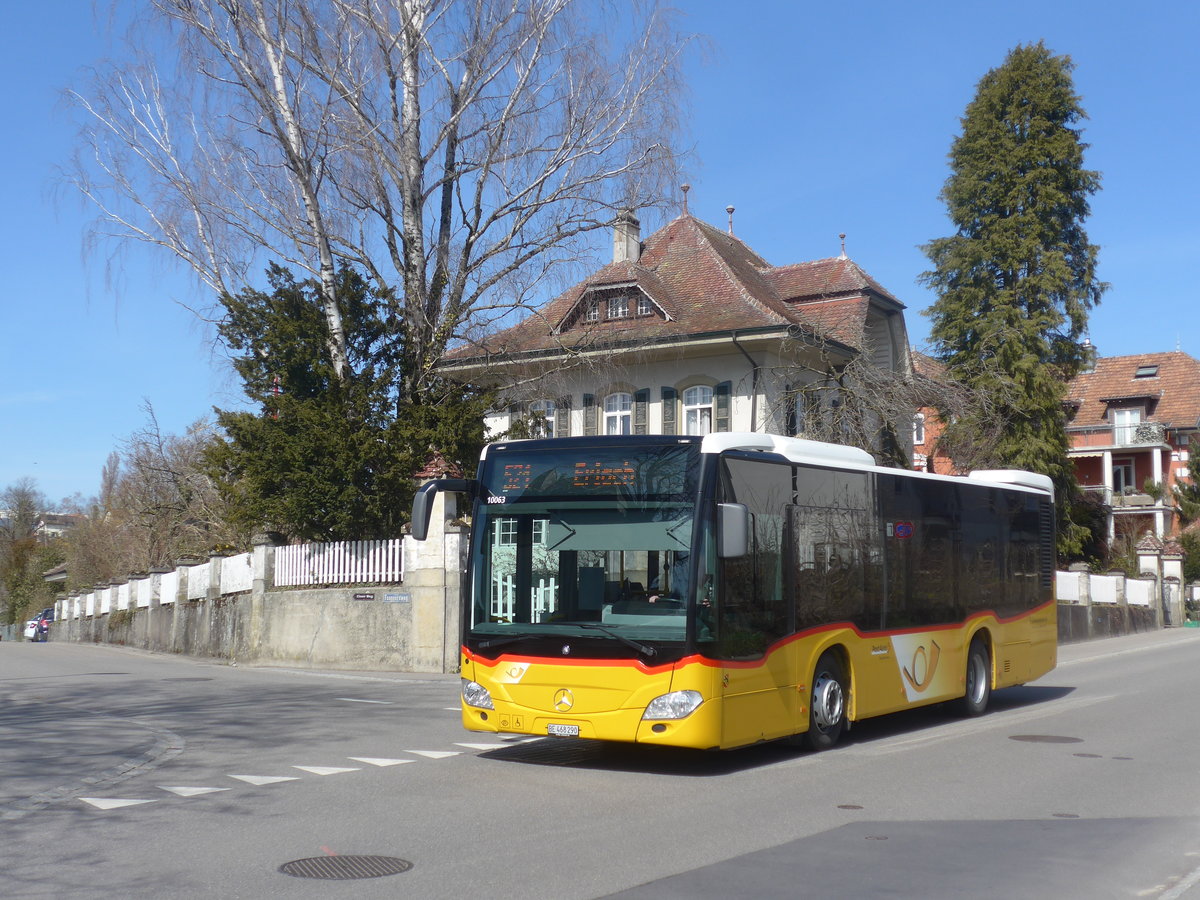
716, 591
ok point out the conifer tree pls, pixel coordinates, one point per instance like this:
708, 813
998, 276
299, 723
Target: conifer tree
323, 457
1015, 281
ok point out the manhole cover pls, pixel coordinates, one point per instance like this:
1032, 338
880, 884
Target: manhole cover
1045, 739
345, 867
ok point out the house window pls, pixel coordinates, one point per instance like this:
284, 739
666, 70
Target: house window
919, 429
542, 427
1125, 424
618, 413
1123, 474
506, 532
1146, 372
592, 312
697, 410
618, 307
644, 306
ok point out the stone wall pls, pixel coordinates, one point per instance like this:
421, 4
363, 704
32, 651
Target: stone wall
408, 626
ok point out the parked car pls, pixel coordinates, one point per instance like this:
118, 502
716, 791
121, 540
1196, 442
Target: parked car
32, 628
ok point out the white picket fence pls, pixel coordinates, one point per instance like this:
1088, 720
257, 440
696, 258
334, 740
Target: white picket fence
504, 598
343, 562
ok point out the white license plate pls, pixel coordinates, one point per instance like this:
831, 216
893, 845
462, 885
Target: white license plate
563, 730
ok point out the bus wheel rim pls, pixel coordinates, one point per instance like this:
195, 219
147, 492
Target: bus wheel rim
828, 701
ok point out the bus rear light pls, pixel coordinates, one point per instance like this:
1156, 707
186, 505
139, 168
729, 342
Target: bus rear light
475, 694
675, 705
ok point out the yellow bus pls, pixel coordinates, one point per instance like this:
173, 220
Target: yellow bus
717, 591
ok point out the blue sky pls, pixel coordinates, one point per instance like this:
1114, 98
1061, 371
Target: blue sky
810, 118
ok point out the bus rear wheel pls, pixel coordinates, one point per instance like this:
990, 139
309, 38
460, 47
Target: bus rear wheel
978, 680
827, 711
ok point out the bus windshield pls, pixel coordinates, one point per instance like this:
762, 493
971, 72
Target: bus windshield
593, 543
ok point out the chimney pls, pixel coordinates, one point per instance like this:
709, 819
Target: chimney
627, 238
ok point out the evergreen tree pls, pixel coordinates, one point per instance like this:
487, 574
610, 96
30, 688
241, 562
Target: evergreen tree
325, 457
1017, 278
1187, 494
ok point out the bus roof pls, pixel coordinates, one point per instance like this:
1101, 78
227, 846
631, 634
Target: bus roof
801, 450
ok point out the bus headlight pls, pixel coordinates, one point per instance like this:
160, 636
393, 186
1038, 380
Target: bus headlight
675, 705
475, 694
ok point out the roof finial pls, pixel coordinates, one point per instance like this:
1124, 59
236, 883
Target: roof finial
729, 209
842, 236
685, 187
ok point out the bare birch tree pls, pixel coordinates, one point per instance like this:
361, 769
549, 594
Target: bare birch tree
457, 151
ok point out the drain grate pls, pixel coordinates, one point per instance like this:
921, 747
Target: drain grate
345, 867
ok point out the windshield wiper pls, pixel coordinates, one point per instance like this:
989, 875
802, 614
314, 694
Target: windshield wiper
644, 649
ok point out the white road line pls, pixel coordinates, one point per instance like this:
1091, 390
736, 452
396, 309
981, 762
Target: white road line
379, 761
356, 700
260, 780
191, 791
482, 746
433, 754
113, 803
326, 770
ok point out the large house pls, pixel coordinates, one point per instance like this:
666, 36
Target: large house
687, 332
1132, 420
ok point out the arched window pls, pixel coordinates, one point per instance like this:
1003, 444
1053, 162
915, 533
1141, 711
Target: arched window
698, 410
919, 429
618, 413
543, 428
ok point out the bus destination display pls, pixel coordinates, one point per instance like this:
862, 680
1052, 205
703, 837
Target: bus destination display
658, 472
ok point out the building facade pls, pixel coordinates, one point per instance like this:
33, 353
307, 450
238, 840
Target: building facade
687, 332
1132, 425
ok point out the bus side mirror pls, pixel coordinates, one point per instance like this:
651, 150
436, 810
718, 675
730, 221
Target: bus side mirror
733, 530
422, 507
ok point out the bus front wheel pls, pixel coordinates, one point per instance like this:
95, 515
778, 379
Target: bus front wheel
978, 680
827, 711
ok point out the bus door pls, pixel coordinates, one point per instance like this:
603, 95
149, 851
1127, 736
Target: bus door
753, 618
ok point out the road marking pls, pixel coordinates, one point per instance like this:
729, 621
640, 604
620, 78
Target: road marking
379, 761
191, 791
326, 770
433, 754
356, 700
1189, 882
112, 803
482, 746
260, 780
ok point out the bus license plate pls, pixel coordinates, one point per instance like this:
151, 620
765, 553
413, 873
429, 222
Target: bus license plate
563, 730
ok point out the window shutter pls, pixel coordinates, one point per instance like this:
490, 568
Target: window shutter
721, 406
641, 404
589, 415
669, 413
562, 417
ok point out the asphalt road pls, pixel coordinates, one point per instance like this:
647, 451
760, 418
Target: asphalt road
130, 774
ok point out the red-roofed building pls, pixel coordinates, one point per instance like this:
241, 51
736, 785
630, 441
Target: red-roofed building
688, 332
1131, 422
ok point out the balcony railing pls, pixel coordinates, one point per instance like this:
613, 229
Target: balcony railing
1121, 500
1143, 434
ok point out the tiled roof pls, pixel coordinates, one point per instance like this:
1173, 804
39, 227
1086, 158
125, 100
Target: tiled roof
1173, 392
705, 281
